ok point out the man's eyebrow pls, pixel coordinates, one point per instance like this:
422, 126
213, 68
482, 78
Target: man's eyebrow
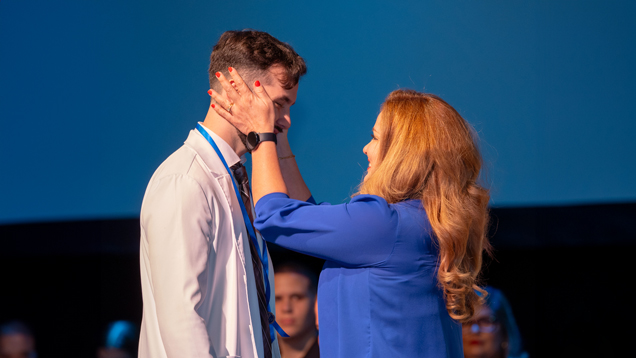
284, 99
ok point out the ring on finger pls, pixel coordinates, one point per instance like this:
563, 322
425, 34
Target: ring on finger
229, 108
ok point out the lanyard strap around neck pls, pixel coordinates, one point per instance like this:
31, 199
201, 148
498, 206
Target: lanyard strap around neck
263, 257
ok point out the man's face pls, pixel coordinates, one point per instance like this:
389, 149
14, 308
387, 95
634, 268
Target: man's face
283, 98
294, 303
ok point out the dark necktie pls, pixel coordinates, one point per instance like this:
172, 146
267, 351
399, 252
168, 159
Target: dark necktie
240, 173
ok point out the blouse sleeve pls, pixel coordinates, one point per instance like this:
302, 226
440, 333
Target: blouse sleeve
359, 233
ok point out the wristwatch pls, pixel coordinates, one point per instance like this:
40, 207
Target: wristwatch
254, 139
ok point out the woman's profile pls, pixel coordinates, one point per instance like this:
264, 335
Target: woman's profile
404, 255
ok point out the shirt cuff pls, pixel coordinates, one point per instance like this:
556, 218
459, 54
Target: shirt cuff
262, 203
271, 196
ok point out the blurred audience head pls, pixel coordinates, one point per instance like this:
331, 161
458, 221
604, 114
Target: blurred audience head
493, 332
120, 340
16, 341
296, 288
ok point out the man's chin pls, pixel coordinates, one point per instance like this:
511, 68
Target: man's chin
292, 332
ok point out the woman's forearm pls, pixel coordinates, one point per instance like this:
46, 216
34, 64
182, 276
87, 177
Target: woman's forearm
291, 174
266, 172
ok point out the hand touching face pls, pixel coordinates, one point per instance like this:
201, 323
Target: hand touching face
265, 109
247, 110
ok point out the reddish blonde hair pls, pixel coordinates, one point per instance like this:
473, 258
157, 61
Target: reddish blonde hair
427, 152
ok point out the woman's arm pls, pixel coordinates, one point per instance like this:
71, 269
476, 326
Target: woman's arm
360, 233
266, 174
289, 167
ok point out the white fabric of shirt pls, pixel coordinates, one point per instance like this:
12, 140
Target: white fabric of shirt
198, 286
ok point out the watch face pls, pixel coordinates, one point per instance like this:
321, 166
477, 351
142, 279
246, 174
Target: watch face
252, 141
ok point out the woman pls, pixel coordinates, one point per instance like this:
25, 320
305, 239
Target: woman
402, 257
493, 332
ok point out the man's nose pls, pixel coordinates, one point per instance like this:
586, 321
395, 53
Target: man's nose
284, 118
287, 307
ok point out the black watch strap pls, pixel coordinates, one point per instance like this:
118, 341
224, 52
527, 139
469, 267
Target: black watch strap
254, 139
267, 137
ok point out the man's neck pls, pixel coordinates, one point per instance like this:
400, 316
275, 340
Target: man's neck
297, 347
225, 130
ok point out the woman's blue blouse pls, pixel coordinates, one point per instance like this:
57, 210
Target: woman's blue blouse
378, 294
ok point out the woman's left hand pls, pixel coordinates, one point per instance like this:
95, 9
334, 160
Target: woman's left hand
247, 110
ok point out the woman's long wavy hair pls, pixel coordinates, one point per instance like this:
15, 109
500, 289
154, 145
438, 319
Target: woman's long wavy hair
427, 151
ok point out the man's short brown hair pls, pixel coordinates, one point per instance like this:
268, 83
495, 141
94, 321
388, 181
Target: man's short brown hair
252, 53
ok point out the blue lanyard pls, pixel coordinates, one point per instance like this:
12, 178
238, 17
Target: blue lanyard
263, 257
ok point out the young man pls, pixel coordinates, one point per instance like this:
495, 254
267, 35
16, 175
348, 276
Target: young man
201, 270
16, 341
296, 288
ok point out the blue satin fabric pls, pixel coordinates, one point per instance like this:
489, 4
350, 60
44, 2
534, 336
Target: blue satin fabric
378, 294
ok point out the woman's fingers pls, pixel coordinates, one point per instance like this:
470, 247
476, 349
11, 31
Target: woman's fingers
247, 110
222, 112
222, 102
239, 84
243, 126
266, 113
229, 89
234, 113
261, 93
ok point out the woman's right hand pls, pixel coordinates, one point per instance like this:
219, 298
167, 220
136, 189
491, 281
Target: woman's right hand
247, 110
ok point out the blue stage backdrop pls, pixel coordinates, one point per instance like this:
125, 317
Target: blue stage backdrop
94, 95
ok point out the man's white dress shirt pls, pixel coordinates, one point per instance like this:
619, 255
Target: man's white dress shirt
197, 279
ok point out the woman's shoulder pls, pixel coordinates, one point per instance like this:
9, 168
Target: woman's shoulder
373, 205
409, 204
409, 212
367, 198
413, 220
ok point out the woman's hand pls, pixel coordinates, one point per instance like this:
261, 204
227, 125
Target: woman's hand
247, 110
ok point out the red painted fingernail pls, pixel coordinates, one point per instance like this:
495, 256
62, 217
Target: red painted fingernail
212, 105
229, 69
257, 84
218, 74
210, 92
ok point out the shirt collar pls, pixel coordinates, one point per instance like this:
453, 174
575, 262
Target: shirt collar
228, 153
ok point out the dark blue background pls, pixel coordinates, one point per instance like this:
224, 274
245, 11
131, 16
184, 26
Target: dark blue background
95, 95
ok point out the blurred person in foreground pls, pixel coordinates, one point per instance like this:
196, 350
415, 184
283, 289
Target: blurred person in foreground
120, 340
493, 331
296, 289
206, 275
403, 256
16, 341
